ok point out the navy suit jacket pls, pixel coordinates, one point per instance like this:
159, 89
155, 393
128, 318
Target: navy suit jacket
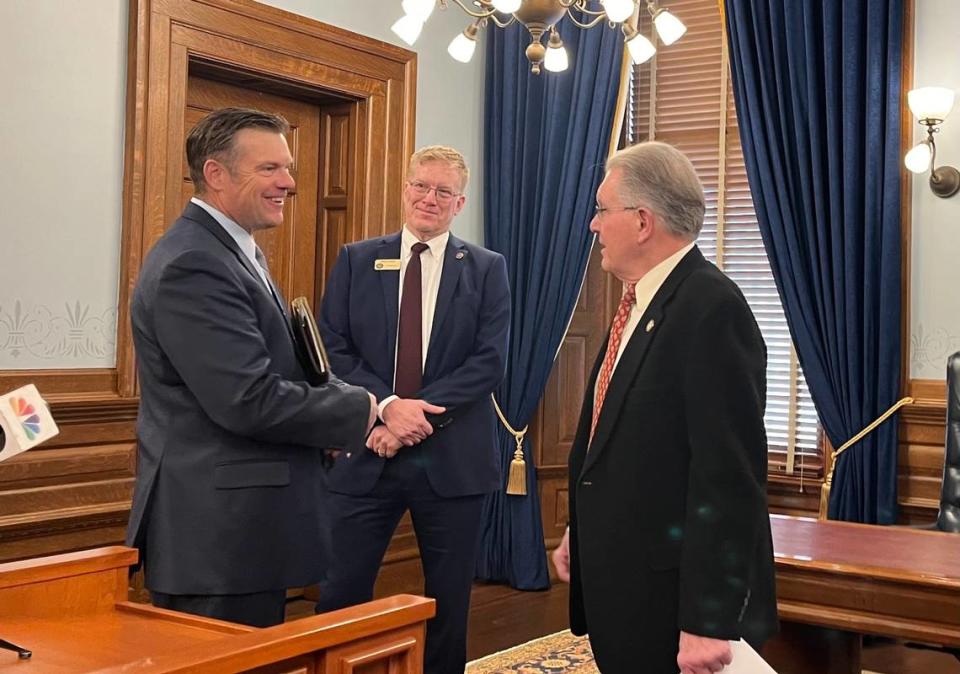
230, 435
465, 361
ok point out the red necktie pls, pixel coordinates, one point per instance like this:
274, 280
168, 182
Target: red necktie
409, 370
613, 347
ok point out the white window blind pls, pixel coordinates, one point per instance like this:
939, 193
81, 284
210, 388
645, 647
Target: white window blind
684, 96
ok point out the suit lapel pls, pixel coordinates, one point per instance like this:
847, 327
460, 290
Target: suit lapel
389, 249
205, 220
635, 352
454, 257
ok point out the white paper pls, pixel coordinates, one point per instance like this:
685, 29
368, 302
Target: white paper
746, 660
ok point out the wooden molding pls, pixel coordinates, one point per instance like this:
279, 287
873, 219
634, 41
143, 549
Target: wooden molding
906, 193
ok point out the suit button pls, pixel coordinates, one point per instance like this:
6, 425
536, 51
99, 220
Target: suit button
585, 483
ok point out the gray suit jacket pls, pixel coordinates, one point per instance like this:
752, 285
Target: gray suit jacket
230, 434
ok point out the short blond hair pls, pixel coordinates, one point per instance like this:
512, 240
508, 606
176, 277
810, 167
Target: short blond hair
440, 153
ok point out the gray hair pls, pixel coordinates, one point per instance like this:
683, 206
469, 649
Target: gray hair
213, 138
658, 175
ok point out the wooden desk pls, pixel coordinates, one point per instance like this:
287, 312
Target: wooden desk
837, 581
71, 611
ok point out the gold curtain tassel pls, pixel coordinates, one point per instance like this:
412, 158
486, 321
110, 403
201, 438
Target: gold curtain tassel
517, 478
825, 489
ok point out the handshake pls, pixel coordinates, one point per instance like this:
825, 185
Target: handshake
404, 424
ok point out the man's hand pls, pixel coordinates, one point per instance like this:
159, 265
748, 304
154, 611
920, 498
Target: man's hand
561, 557
702, 655
405, 419
372, 417
383, 442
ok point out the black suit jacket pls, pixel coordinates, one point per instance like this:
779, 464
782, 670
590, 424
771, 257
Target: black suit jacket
669, 524
465, 362
230, 434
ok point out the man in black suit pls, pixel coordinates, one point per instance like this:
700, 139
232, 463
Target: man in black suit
419, 318
231, 436
668, 552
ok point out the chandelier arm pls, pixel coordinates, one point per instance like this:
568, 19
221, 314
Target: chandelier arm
581, 6
476, 15
589, 24
503, 24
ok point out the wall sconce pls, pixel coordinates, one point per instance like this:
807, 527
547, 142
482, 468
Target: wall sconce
931, 105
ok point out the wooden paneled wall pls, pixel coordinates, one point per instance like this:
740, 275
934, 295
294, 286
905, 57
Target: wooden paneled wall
922, 434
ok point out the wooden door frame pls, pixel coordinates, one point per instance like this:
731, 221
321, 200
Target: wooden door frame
299, 56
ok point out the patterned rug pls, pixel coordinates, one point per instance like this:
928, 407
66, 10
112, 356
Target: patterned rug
560, 653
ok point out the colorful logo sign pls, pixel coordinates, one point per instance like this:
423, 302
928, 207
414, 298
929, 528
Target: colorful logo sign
27, 415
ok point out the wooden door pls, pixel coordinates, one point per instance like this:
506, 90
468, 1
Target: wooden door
338, 199
291, 249
554, 426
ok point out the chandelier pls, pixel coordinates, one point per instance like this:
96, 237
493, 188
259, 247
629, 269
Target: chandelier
541, 17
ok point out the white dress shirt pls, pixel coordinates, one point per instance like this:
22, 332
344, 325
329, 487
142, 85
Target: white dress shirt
431, 266
646, 288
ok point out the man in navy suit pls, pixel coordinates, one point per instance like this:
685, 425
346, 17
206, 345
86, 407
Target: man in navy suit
231, 436
420, 319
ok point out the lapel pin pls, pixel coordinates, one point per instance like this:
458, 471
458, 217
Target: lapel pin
650, 325
460, 254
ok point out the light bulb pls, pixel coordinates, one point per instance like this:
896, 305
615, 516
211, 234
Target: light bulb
461, 48
930, 102
918, 158
618, 11
507, 6
556, 60
407, 28
418, 9
640, 48
669, 28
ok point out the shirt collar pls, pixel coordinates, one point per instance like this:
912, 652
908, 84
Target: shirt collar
653, 279
436, 245
243, 238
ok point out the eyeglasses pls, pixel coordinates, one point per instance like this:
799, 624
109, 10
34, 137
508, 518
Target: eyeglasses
599, 212
422, 189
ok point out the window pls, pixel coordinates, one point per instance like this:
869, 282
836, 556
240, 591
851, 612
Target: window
684, 96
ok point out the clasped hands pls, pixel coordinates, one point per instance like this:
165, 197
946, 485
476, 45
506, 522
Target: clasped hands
404, 425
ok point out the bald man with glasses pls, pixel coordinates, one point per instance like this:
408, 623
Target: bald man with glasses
420, 319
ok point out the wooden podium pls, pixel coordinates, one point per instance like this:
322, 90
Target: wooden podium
71, 612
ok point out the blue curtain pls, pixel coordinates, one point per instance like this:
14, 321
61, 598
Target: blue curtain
546, 138
817, 87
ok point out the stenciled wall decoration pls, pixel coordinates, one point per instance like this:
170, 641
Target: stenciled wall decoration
75, 334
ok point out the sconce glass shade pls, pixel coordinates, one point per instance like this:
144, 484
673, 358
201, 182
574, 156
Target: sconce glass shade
918, 158
407, 28
930, 102
618, 11
669, 27
507, 6
462, 48
556, 60
640, 48
419, 9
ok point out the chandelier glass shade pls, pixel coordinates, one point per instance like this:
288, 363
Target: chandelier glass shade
540, 18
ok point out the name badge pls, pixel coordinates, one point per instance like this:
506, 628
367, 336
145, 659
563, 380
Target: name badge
386, 265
